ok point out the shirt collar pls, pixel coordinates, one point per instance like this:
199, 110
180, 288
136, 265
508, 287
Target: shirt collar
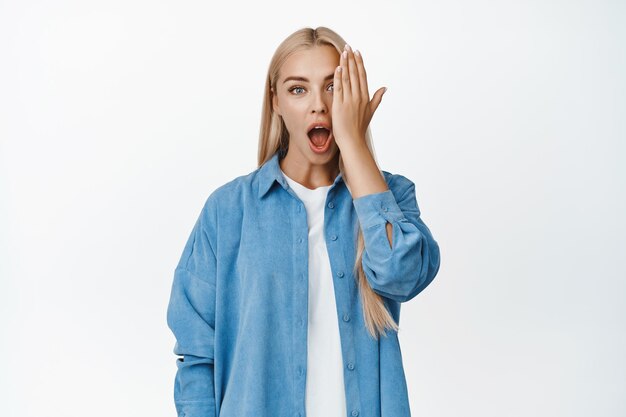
270, 172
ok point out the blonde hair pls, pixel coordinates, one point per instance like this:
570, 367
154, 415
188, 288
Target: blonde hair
274, 137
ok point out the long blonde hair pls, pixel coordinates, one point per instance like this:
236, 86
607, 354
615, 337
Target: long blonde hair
274, 137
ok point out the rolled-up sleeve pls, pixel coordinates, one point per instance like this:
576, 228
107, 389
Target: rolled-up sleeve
191, 317
403, 269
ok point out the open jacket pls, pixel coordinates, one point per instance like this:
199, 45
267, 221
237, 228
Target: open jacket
238, 306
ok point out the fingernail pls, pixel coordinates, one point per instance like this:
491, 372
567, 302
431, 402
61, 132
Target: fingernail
357, 53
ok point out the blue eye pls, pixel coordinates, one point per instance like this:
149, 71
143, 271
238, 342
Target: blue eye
330, 87
296, 88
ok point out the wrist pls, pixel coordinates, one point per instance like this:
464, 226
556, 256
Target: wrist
356, 146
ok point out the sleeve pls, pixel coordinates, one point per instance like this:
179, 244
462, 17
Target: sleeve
191, 317
404, 269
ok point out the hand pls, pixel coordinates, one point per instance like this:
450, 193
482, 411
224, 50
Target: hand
352, 109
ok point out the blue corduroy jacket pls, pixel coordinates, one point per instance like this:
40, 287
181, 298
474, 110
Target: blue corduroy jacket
239, 300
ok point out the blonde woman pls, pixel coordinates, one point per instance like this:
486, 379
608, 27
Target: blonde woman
286, 299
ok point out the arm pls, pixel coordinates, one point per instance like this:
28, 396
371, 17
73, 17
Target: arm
402, 269
405, 268
191, 317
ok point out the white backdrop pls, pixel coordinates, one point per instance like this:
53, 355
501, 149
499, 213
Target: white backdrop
118, 118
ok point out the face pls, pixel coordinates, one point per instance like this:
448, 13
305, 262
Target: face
303, 98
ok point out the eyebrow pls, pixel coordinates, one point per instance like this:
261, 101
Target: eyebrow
306, 80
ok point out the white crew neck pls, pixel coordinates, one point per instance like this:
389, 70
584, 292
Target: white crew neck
296, 184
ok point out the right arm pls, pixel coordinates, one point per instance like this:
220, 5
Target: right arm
191, 317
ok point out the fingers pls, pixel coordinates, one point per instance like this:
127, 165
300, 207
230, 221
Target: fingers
378, 96
337, 85
354, 78
362, 75
355, 84
351, 80
345, 76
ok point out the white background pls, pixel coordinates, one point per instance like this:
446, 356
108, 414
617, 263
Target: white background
118, 118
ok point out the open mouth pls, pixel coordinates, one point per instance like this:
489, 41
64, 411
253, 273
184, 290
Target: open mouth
319, 136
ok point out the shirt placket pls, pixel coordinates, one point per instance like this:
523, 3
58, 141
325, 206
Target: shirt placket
336, 210
300, 256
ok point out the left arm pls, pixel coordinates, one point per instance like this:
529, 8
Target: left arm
401, 257
401, 267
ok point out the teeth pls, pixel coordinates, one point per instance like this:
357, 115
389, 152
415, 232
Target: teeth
319, 127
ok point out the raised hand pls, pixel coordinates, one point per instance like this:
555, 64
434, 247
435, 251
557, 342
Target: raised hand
352, 109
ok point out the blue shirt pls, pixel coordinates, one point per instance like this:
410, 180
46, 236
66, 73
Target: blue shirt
238, 306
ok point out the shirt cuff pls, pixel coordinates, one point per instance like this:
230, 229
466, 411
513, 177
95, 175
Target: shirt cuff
377, 208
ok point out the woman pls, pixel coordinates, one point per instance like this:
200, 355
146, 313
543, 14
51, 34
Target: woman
294, 271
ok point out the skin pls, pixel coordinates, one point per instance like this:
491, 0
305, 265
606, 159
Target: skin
335, 91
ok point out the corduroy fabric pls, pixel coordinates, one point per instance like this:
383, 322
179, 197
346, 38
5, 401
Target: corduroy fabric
238, 304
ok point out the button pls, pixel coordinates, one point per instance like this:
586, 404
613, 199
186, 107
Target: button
333, 237
299, 414
385, 208
300, 240
350, 366
355, 413
331, 205
346, 317
299, 208
300, 370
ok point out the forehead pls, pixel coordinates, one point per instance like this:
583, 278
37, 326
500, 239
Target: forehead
316, 62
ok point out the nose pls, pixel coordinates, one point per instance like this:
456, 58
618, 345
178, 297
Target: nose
318, 104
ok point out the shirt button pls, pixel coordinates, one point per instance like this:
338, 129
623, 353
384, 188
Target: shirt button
333, 237
331, 205
346, 317
340, 274
350, 366
355, 413
385, 209
300, 240
300, 370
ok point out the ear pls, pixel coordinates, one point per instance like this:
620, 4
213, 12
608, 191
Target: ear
275, 103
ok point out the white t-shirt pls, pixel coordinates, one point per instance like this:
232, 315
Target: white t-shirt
325, 392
